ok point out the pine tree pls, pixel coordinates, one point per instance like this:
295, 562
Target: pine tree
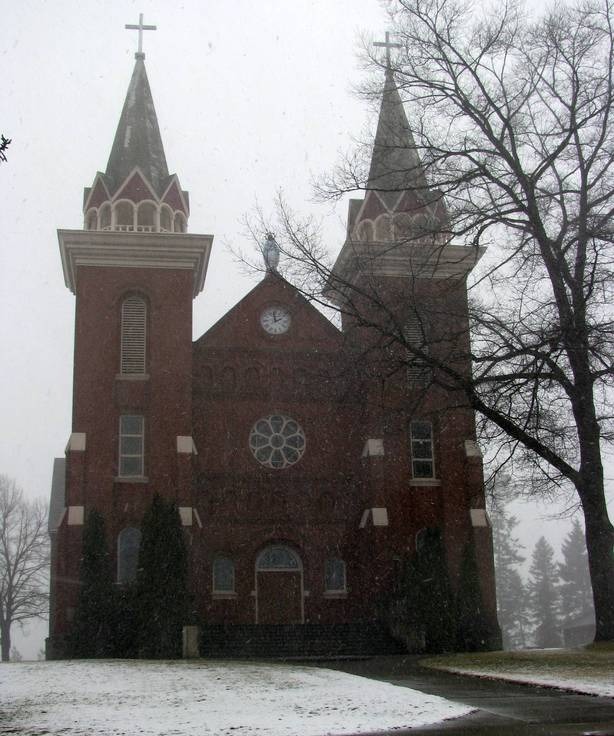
161, 581
511, 592
543, 595
474, 631
575, 589
95, 612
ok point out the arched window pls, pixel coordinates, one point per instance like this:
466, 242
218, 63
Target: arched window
334, 576
146, 217
91, 220
124, 216
180, 224
223, 575
133, 335
415, 339
166, 219
277, 557
128, 543
364, 231
383, 228
105, 217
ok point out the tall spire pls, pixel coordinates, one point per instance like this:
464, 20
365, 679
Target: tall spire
137, 140
395, 162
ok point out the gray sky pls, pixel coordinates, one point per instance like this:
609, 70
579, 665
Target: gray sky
251, 97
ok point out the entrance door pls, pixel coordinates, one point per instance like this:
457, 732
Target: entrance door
279, 586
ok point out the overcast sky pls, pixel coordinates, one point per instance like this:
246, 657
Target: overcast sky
251, 97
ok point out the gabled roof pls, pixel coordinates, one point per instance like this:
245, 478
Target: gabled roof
272, 287
137, 141
395, 162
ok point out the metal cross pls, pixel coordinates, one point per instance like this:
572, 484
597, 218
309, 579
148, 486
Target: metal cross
140, 28
387, 44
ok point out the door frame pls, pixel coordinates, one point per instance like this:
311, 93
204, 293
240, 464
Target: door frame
274, 570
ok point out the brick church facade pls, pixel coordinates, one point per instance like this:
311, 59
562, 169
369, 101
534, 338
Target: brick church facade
304, 464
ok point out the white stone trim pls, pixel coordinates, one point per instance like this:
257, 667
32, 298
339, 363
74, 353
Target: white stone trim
379, 516
425, 482
406, 260
373, 448
76, 515
472, 449
185, 512
185, 445
479, 517
76, 442
134, 250
197, 517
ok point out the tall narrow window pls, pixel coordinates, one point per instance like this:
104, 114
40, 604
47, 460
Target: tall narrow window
133, 336
334, 576
422, 459
413, 334
128, 543
223, 575
131, 446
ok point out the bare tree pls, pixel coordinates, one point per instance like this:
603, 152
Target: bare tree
511, 125
24, 560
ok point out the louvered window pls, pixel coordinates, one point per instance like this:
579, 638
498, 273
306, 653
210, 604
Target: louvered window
413, 333
134, 329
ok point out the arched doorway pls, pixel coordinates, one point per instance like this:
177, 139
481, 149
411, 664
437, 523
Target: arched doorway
279, 586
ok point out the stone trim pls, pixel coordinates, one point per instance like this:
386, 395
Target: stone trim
76, 515
373, 448
76, 442
134, 250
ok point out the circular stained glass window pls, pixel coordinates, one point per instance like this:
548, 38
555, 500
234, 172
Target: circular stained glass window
277, 441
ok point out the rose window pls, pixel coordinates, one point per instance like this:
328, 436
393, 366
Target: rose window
277, 441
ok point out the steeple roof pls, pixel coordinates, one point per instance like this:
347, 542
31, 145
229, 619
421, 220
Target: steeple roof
137, 140
395, 162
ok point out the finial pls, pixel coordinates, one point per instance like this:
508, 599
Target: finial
140, 28
270, 252
387, 44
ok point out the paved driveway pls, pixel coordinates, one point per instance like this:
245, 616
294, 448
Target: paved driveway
505, 709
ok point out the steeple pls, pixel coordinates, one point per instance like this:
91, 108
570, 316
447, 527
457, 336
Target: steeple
137, 140
136, 193
395, 162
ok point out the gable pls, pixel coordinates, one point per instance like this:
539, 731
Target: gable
241, 327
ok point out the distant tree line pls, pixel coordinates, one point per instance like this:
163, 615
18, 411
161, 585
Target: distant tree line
142, 619
534, 611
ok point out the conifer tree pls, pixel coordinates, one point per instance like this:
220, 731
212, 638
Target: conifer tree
575, 588
94, 616
543, 595
511, 592
161, 581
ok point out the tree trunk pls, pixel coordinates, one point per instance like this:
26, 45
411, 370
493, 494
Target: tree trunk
600, 548
5, 643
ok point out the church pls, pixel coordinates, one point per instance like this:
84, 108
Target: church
307, 459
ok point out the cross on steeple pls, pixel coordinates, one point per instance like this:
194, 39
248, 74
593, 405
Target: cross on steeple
140, 28
387, 44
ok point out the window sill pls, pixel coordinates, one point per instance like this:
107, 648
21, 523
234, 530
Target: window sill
132, 377
223, 596
131, 479
425, 482
335, 594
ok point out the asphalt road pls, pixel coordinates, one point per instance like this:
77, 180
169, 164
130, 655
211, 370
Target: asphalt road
504, 709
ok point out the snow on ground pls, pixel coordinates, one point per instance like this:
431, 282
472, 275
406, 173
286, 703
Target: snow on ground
200, 698
581, 670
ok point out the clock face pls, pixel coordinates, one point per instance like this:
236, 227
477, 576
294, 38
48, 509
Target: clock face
275, 320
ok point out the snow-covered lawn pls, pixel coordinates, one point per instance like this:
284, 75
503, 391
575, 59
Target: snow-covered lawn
199, 698
585, 670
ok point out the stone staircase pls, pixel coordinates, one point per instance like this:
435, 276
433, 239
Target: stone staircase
309, 641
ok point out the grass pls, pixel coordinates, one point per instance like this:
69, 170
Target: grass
588, 669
